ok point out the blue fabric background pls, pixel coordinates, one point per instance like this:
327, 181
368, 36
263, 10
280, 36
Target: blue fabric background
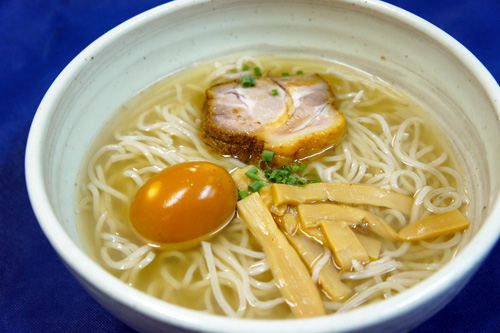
37, 40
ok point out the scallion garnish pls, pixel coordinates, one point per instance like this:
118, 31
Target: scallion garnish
256, 186
247, 81
286, 174
302, 181
245, 67
252, 173
242, 194
266, 168
284, 74
257, 72
300, 72
274, 92
267, 156
253, 170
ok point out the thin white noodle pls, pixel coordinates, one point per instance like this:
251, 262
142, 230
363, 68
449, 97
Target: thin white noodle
398, 138
208, 303
320, 264
271, 285
243, 250
214, 280
457, 237
232, 281
188, 276
441, 195
406, 173
332, 306
399, 252
252, 299
390, 215
258, 268
365, 295
370, 272
126, 263
365, 285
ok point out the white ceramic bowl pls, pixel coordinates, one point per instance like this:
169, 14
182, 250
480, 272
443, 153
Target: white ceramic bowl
372, 35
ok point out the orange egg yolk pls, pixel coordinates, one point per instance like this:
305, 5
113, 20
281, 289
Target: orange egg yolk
184, 204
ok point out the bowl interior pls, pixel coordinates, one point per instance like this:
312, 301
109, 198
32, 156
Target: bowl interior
383, 40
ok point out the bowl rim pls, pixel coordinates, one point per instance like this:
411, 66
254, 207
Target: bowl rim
78, 261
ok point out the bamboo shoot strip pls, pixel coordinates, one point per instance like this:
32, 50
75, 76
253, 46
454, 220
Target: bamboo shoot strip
434, 226
314, 233
342, 193
344, 244
311, 214
265, 194
371, 245
289, 272
289, 223
328, 277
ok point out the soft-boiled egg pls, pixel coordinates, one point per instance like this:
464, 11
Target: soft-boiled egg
184, 204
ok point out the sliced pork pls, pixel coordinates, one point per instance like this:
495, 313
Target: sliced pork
293, 116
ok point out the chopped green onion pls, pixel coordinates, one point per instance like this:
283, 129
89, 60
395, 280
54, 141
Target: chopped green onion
275, 174
257, 72
282, 175
266, 167
245, 67
253, 176
253, 170
300, 72
243, 194
252, 173
284, 74
287, 168
302, 181
274, 92
278, 176
267, 156
256, 186
247, 81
